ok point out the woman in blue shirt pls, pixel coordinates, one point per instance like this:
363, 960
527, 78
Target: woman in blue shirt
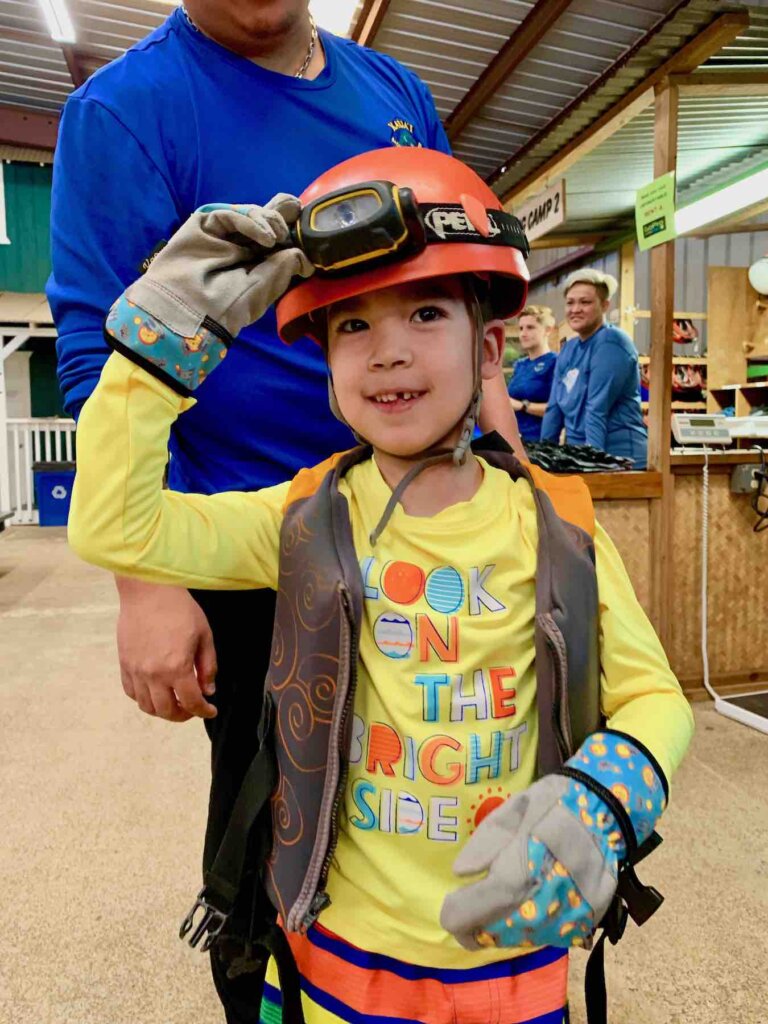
531, 380
596, 391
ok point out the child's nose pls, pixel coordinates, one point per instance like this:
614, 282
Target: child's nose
389, 348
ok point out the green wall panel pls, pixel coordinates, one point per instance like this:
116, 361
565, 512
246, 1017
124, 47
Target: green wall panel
26, 263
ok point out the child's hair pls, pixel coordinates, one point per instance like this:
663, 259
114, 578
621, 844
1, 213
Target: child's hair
475, 287
542, 314
605, 284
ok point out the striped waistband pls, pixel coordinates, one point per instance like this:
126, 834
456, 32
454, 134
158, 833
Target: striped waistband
343, 983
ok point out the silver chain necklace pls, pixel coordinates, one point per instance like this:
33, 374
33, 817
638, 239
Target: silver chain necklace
310, 52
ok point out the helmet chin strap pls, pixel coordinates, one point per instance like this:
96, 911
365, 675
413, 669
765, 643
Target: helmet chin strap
432, 455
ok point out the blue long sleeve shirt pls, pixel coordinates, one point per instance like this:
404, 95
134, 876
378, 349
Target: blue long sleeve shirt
532, 380
180, 121
596, 396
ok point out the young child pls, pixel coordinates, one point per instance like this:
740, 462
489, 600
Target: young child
441, 659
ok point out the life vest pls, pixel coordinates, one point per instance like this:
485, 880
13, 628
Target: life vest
291, 794
310, 685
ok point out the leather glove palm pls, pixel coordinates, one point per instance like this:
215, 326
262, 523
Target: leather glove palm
220, 272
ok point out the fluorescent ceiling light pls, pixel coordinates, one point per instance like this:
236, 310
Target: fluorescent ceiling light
59, 22
725, 201
334, 15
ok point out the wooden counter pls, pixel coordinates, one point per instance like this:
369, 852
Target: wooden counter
737, 588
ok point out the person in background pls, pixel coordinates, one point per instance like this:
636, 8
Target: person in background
196, 113
596, 391
531, 380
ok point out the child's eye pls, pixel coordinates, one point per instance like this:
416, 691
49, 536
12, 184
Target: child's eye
427, 314
351, 326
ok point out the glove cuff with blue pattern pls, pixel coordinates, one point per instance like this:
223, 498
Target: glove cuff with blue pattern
181, 363
620, 790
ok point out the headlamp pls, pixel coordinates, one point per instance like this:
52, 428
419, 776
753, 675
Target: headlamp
376, 222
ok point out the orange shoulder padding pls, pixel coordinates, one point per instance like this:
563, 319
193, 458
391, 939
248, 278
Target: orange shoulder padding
569, 495
307, 481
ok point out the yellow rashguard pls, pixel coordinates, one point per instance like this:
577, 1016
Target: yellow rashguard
445, 723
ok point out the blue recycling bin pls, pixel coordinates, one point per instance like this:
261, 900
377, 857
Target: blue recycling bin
53, 488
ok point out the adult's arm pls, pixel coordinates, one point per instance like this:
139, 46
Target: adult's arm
553, 421
608, 374
110, 206
104, 223
496, 414
534, 408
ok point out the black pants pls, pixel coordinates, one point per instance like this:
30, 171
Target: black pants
241, 622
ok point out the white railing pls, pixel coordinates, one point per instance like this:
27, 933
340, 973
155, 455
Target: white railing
33, 440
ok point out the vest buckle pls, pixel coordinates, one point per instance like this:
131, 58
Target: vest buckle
209, 925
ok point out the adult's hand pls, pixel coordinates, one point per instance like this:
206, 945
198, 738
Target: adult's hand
166, 651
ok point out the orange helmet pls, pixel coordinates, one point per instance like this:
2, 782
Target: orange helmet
443, 187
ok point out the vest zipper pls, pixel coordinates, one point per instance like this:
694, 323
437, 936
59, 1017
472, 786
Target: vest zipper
557, 646
320, 900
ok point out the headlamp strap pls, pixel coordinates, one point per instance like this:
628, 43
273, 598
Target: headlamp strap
448, 222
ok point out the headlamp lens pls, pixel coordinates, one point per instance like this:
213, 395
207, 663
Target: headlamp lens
346, 211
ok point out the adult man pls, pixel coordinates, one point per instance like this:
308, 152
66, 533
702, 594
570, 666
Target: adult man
228, 100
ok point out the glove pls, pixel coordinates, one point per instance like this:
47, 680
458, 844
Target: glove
553, 852
217, 274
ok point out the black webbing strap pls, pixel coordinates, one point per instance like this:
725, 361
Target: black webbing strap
222, 881
288, 973
224, 876
632, 899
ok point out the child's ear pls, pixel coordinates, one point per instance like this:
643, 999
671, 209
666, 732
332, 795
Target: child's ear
493, 349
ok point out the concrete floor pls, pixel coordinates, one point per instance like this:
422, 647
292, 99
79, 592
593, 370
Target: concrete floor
103, 812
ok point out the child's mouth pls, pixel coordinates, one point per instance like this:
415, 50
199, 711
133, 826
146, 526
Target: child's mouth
395, 401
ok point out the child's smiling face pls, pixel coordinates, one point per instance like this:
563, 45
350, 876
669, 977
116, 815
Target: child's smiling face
402, 363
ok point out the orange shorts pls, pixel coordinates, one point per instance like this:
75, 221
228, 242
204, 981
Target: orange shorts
343, 983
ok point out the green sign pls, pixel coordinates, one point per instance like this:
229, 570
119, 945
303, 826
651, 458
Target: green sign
655, 211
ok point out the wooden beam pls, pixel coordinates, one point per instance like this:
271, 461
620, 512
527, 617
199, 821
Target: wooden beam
630, 486
539, 20
627, 293
660, 371
728, 229
720, 32
22, 127
722, 83
76, 72
558, 266
566, 241
369, 21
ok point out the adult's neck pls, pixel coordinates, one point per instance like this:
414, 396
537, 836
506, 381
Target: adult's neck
539, 350
437, 487
587, 333
282, 50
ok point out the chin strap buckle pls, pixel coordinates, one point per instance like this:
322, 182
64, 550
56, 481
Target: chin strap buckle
209, 925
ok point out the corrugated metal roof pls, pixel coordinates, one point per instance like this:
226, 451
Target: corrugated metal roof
33, 69
750, 50
670, 37
719, 137
449, 43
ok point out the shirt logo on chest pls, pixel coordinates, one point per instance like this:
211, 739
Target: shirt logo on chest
403, 133
570, 379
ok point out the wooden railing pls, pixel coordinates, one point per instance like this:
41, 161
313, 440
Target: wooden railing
29, 441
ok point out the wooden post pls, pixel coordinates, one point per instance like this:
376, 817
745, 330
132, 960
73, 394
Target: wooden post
660, 370
627, 293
